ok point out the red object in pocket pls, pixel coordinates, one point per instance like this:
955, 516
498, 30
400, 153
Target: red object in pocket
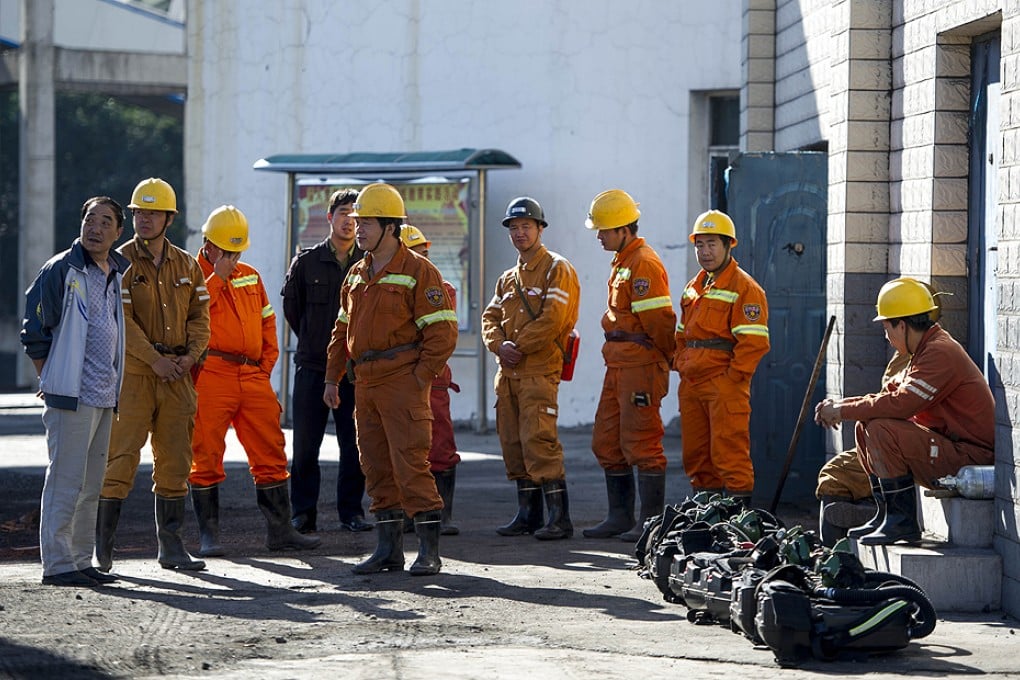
570, 355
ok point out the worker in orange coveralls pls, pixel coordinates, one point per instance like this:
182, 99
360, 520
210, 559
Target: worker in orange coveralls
396, 329
234, 389
443, 456
639, 327
722, 335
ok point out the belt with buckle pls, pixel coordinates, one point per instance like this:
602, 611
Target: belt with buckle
712, 343
234, 358
642, 339
375, 355
179, 350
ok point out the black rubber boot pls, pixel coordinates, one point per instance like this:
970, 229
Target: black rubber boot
652, 490
446, 483
879, 518
620, 517
389, 552
428, 526
106, 529
556, 500
742, 497
529, 510
274, 502
837, 514
901, 514
169, 529
206, 501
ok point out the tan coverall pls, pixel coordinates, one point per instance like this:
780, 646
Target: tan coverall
399, 328
527, 394
166, 313
639, 327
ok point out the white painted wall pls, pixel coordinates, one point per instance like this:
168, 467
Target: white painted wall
588, 96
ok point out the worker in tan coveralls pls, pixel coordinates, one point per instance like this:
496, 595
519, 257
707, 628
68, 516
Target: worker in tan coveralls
166, 314
396, 328
639, 326
526, 326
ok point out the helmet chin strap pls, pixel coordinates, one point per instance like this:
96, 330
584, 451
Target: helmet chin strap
382, 235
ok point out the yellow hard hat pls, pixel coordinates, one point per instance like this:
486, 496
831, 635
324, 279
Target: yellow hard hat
154, 194
714, 222
227, 229
612, 209
411, 236
904, 297
379, 200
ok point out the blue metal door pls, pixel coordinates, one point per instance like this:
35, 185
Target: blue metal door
778, 202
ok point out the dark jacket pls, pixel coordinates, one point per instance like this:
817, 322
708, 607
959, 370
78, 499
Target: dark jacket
311, 300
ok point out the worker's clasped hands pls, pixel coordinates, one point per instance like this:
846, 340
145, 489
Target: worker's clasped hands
169, 369
509, 355
827, 414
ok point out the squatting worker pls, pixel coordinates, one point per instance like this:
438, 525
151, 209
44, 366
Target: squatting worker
722, 335
639, 326
844, 490
73, 332
443, 456
234, 389
526, 325
935, 417
311, 300
166, 315
396, 328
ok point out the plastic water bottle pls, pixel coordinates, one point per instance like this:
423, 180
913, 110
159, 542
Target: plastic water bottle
972, 481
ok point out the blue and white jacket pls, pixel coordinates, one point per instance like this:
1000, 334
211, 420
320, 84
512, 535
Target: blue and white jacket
56, 321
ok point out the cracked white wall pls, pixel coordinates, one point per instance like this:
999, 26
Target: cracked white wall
588, 96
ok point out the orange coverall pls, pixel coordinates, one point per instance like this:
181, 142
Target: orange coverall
168, 305
526, 394
640, 327
930, 421
715, 384
405, 308
443, 453
243, 325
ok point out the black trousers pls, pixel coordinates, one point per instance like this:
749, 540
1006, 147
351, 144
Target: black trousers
310, 416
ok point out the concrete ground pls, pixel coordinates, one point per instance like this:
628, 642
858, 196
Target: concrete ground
501, 608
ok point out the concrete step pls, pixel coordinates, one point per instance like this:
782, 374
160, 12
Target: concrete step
960, 521
955, 578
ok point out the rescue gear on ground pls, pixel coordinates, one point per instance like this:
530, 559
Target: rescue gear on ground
427, 528
530, 510
379, 200
652, 493
412, 236
154, 194
389, 551
524, 206
620, 518
274, 502
714, 222
559, 525
170, 535
227, 229
206, 501
612, 209
903, 297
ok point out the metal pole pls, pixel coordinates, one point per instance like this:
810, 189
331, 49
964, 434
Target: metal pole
482, 418
287, 354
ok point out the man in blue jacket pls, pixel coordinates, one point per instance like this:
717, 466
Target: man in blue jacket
73, 331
